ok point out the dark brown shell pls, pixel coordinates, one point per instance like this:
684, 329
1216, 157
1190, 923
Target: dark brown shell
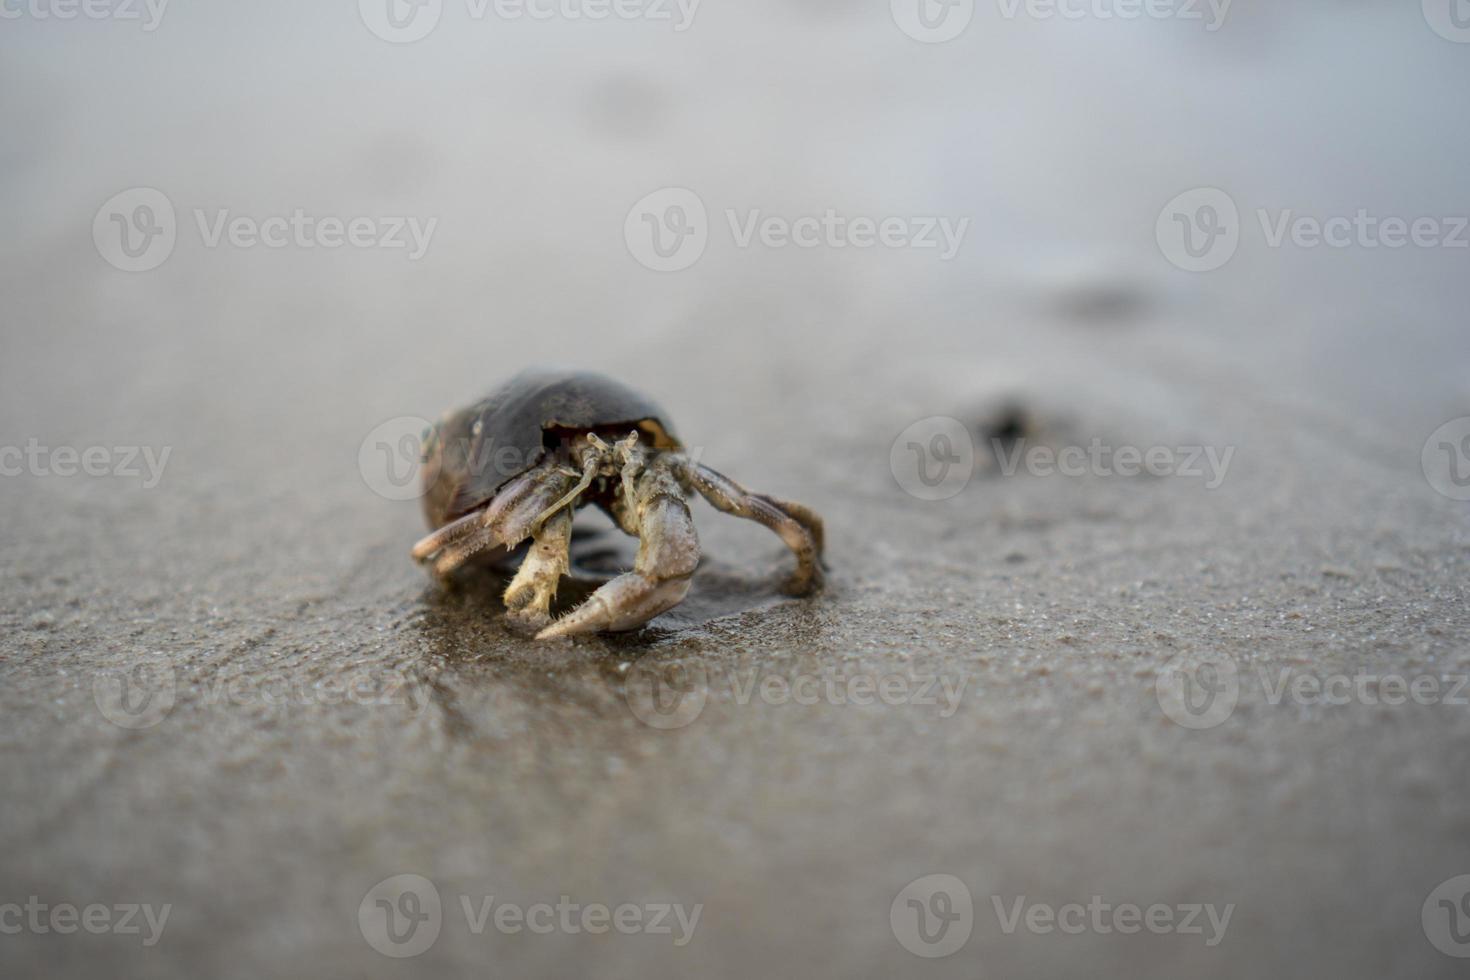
470, 454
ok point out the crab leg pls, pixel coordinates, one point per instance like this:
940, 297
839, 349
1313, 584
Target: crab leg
796, 525
590, 466
448, 534
461, 551
505, 522
668, 551
528, 597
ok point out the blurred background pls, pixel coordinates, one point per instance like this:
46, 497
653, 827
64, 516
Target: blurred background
257, 243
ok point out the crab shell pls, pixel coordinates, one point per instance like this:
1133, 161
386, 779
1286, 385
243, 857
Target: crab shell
470, 454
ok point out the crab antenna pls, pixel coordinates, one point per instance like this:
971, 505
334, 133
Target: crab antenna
590, 464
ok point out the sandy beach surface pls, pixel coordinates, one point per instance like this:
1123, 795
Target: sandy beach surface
1228, 695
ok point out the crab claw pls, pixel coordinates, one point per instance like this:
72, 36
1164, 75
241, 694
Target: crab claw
668, 551
628, 601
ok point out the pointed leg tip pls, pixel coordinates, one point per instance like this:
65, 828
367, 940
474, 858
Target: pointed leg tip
802, 585
590, 617
556, 631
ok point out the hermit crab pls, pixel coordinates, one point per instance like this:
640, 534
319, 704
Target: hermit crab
516, 465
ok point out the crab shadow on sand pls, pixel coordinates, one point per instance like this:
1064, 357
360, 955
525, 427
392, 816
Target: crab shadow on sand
475, 660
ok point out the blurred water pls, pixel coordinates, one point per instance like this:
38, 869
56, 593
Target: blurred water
1060, 141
